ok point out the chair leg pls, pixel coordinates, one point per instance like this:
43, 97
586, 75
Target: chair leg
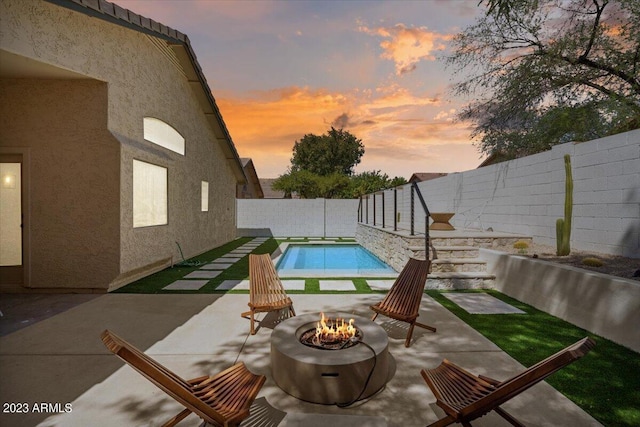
374, 316
507, 416
175, 420
253, 328
431, 328
407, 342
292, 310
249, 315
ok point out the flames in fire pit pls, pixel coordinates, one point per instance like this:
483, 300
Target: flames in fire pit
330, 334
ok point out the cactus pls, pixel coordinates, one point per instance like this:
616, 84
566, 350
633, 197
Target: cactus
563, 226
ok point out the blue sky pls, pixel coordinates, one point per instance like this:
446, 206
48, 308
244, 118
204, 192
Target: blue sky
282, 69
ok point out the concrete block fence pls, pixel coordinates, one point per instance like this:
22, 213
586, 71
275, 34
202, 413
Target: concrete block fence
297, 217
526, 196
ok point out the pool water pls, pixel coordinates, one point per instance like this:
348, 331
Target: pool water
331, 260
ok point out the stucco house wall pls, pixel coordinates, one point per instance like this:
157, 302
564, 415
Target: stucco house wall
74, 184
140, 76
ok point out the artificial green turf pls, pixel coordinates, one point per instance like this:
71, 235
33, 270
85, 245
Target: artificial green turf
154, 283
605, 383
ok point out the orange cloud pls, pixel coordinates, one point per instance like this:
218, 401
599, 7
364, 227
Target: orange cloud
407, 46
393, 124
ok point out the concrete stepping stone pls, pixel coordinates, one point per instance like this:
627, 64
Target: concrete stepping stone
216, 266
203, 274
236, 285
227, 259
186, 285
380, 285
481, 303
337, 285
293, 285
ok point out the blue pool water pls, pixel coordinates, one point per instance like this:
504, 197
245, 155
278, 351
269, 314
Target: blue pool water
331, 260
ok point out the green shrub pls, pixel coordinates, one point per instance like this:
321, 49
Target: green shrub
592, 262
522, 246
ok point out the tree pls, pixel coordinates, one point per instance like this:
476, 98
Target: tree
369, 182
308, 185
322, 166
549, 71
336, 151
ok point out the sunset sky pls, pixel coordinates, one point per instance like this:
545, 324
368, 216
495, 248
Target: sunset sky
282, 69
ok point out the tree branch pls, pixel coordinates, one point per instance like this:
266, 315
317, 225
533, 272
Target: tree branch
596, 24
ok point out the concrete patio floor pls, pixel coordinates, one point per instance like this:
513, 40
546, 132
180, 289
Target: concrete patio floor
62, 360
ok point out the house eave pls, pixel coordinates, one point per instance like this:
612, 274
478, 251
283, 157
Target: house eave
180, 44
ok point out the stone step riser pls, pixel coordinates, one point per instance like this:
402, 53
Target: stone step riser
449, 253
487, 243
448, 267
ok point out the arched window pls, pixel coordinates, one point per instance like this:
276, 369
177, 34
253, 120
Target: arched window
162, 134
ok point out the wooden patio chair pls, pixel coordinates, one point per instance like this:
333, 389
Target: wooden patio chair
465, 397
221, 400
402, 302
266, 292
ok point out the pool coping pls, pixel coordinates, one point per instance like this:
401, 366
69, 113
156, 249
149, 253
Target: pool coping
321, 273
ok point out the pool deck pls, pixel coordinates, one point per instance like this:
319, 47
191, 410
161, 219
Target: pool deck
61, 359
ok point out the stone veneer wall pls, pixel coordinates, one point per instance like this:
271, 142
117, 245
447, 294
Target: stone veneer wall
389, 247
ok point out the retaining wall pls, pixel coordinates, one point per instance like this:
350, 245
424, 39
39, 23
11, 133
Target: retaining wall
297, 217
605, 305
526, 196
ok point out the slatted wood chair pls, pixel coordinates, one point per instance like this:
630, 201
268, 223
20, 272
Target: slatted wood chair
402, 302
465, 397
266, 292
220, 400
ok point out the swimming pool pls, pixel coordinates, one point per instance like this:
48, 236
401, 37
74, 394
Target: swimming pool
327, 260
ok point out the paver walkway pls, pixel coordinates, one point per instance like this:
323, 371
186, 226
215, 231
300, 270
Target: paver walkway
215, 268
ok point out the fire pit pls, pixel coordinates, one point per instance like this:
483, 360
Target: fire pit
337, 358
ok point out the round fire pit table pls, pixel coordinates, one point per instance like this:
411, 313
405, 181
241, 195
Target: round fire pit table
329, 376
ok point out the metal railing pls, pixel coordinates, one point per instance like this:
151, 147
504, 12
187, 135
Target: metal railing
363, 210
416, 190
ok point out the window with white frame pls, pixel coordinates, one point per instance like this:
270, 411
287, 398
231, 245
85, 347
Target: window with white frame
163, 134
204, 202
149, 194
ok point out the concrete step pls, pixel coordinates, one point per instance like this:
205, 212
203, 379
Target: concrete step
460, 265
486, 240
448, 252
469, 280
